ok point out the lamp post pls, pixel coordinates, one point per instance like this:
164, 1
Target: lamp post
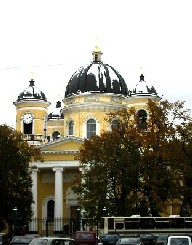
97, 228
104, 214
14, 220
104, 211
78, 227
99, 215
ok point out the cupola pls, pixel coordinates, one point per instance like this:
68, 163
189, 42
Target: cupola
143, 88
97, 77
97, 54
32, 93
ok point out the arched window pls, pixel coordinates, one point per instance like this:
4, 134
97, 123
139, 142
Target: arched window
56, 135
71, 127
96, 57
114, 124
141, 119
50, 209
27, 128
27, 122
91, 128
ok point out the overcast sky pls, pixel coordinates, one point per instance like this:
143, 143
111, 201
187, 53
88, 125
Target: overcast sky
53, 38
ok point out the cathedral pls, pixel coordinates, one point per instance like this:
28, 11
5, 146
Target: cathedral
91, 93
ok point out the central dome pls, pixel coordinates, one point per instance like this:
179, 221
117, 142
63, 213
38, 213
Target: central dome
97, 77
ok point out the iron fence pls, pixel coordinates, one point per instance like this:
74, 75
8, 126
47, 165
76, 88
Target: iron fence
63, 227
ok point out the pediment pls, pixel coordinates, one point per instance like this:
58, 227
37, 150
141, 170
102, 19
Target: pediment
65, 144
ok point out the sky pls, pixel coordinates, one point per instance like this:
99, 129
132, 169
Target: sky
48, 40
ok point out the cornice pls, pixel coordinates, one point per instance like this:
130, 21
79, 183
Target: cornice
51, 164
143, 96
103, 107
31, 101
68, 152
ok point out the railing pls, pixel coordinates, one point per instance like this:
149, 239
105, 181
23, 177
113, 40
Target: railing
33, 137
62, 227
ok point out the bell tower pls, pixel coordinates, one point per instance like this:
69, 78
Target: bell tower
31, 114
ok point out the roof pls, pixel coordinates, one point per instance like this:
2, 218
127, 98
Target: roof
32, 93
96, 77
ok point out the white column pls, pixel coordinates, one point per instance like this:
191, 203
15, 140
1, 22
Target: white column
98, 130
33, 224
105, 230
58, 198
82, 170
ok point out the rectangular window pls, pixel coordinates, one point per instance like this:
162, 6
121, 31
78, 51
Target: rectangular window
71, 128
91, 129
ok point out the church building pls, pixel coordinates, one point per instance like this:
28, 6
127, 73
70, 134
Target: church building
91, 93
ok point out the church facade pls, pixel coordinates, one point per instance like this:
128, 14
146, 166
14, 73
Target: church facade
91, 93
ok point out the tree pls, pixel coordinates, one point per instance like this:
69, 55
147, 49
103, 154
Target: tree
133, 169
166, 150
185, 133
162, 156
15, 177
110, 173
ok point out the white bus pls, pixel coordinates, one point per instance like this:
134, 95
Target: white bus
136, 224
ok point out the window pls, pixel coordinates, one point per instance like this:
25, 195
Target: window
50, 209
56, 135
141, 119
71, 128
27, 128
96, 57
114, 124
91, 128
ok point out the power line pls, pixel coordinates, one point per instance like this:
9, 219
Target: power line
32, 66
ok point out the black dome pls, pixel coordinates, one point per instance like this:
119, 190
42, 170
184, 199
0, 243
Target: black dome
32, 93
143, 88
97, 77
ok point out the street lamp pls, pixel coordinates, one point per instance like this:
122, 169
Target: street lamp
78, 219
97, 228
104, 211
99, 215
14, 220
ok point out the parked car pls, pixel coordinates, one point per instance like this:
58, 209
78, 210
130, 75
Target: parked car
179, 240
129, 241
109, 238
21, 240
4, 239
148, 239
161, 240
52, 241
85, 237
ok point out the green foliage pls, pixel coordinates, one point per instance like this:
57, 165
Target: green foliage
110, 174
15, 177
162, 155
138, 170
185, 133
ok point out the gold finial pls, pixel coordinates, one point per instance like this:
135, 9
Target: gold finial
32, 75
141, 74
97, 49
141, 70
97, 45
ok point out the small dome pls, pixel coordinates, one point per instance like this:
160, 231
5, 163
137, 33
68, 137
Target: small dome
142, 88
96, 77
32, 93
56, 112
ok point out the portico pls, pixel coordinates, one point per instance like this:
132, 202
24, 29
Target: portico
52, 183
